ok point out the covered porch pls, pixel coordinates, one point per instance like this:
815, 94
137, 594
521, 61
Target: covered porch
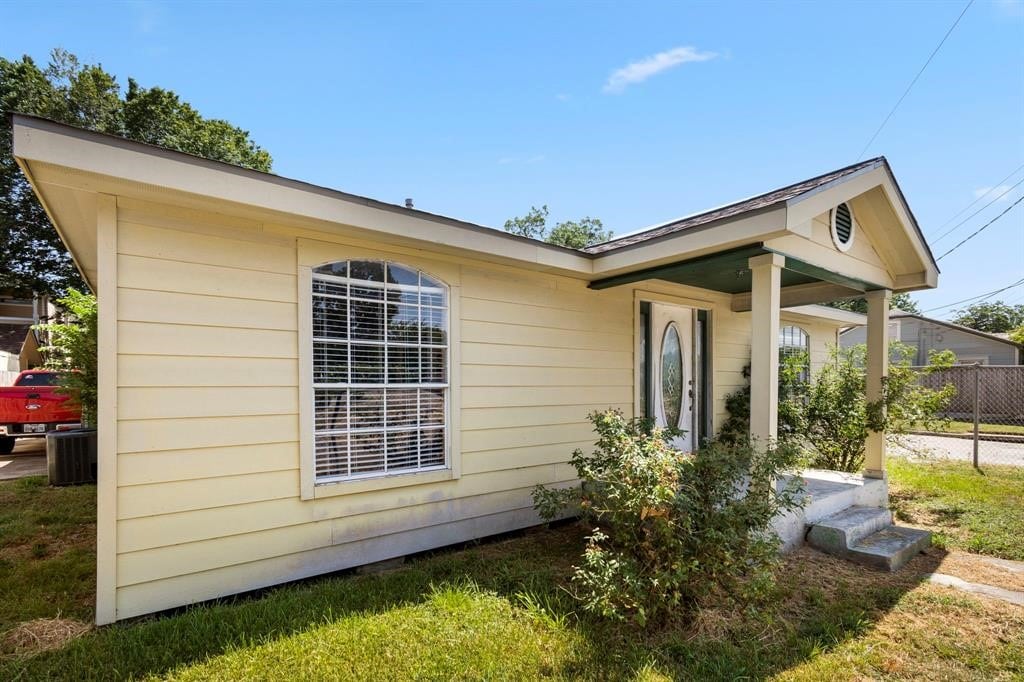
843, 236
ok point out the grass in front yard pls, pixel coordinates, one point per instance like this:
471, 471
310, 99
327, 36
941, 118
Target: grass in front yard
975, 510
499, 610
47, 551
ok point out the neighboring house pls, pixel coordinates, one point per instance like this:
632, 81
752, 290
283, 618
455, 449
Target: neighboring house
925, 335
295, 380
19, 344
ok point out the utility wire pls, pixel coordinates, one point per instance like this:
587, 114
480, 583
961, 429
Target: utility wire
979, 296
978, 231
968, 206
953, 229
909, 87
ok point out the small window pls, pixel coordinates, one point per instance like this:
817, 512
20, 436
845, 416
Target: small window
843, 227
380, 370
795, 343
672, 377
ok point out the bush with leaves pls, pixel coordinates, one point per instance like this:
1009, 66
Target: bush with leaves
669, 528
72, 351
830, 416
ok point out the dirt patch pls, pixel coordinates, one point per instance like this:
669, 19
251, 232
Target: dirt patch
41, 634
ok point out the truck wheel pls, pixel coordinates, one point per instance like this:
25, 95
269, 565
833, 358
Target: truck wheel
6, 445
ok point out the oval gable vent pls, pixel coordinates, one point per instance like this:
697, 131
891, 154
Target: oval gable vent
842, 227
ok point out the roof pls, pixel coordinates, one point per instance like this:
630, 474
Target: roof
756, 203
902, 314
12, 336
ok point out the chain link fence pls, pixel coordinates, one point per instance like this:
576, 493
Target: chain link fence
986, 416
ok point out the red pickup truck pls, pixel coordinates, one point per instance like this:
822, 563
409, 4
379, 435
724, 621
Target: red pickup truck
32, 406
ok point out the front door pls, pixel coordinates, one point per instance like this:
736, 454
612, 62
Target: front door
673, 390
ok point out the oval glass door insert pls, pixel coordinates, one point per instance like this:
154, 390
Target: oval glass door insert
671, 377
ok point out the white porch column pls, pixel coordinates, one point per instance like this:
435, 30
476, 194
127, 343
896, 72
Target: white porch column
766, 272
877, 371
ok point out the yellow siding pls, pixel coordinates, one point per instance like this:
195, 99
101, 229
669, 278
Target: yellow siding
208, 497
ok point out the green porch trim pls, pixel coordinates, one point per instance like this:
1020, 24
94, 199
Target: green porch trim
728, 272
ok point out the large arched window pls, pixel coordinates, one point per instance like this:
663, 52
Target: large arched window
380, 370
795, 343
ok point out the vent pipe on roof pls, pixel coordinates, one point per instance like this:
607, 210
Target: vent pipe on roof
408, 203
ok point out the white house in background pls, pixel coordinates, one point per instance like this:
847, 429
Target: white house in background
296, 380
927, 334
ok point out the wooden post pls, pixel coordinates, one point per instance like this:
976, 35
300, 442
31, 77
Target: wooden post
877, 371
766, 275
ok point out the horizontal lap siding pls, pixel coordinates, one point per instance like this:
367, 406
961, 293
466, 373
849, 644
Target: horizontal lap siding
208, 431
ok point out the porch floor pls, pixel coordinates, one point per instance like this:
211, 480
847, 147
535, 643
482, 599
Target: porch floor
827, 493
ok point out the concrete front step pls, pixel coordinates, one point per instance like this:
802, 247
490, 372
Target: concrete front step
845, 529
866, 536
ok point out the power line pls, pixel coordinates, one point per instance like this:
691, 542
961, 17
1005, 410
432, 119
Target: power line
909, 87
978, 231
968, 206
953, 229
982, 297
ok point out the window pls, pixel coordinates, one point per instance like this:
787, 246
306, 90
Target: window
380, 370
843, 227
672, 377
795, 343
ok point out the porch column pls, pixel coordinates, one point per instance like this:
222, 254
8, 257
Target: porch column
766, 275
877, 371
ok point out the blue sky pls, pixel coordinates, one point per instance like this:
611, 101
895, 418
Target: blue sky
635, 113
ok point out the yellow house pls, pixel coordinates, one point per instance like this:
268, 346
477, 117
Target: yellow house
296, 380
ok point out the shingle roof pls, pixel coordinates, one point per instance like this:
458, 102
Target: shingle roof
761, 201
12, 336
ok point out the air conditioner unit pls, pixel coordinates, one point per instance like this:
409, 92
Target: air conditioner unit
71, 457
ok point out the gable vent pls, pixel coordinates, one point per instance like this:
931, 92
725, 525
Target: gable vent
842, 227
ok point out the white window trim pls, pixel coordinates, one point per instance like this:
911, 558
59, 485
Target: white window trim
309, 488
853, 228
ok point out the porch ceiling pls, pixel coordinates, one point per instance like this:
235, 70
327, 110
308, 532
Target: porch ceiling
728, 272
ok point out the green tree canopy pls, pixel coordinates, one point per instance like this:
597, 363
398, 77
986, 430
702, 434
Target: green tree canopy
860, 305
996, 318
32, 257
575, 234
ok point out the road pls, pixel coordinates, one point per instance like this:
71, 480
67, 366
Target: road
28, 459
940, 447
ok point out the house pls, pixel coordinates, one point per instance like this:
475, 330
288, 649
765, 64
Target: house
19, 344
926, 334
296, 380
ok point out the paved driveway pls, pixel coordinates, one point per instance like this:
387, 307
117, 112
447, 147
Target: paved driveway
940, 447
28, 459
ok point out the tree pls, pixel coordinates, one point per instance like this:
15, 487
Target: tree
900, 301
72, 351
995, 318
32, 257
575, 234
1017, 334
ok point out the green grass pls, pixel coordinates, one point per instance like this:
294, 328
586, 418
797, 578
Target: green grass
500, 610
968, 427
977, 510
47, 560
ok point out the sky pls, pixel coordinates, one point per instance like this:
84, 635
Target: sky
634, 113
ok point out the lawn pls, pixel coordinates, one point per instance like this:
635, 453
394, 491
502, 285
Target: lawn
499, 610
976, 510
968, 427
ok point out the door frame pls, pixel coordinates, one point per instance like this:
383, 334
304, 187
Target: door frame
702, 358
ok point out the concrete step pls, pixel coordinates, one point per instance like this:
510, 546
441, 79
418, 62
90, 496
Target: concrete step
840, 532
890, 548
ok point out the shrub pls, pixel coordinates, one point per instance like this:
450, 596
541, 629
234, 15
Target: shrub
669, 528
830, 417
72, 350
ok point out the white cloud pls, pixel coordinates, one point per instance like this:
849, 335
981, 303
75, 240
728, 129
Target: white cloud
639, 71
1013, 8
562, 97
994, 192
